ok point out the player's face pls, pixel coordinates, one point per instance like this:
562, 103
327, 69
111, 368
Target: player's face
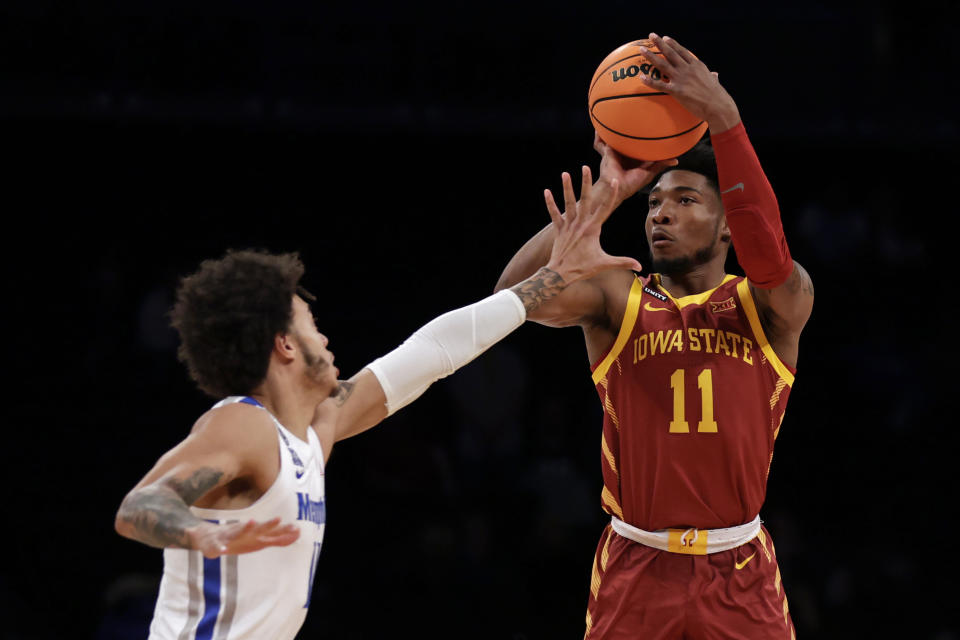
317, 359
685, 222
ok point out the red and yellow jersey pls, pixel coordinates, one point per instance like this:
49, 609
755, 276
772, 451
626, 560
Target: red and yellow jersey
693, 396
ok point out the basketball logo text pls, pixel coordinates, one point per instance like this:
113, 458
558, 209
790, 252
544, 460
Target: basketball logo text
646, 69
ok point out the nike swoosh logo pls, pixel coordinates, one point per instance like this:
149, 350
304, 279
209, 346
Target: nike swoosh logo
741, 565
649, 308
300, 473
739, 185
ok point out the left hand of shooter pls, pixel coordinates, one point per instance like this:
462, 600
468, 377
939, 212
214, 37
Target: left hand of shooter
632, 175
692, 84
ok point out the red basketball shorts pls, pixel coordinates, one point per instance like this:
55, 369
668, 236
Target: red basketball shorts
638, 592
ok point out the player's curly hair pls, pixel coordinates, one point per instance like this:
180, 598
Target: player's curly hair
228, 313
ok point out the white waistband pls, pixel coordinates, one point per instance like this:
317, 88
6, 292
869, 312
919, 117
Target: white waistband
691, 541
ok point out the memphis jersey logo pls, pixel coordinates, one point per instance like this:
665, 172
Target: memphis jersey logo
314, 511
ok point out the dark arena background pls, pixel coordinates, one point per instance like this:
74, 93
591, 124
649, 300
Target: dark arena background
402, 149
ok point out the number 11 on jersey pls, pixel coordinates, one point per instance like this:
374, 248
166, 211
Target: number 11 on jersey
679, 423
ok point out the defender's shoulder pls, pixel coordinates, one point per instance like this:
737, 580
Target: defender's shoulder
234, 420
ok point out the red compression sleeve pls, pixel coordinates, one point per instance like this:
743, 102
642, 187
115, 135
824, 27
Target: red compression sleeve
752, 212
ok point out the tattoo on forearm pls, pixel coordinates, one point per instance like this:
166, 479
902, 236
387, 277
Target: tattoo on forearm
537, 289
344, 389
160, 513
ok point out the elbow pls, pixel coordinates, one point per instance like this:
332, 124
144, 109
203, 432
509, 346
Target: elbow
770, 273
121, 522
121, 527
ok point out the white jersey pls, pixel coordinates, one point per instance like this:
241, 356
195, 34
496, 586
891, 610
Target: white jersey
259, 595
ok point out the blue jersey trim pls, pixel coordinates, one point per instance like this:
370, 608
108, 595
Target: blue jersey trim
253, 401
211, 597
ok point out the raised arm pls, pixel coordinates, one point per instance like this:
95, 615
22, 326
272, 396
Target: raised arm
583, 302
236, 441
455, 338
782, 288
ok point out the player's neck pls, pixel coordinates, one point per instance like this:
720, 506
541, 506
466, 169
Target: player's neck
697, 280
288, 404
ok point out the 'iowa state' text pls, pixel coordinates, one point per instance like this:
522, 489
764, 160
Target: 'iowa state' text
708, 340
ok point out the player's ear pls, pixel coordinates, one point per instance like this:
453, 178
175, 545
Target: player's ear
284, 346
724, 230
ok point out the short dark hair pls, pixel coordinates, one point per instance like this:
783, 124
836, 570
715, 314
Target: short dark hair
699, 159
228, 313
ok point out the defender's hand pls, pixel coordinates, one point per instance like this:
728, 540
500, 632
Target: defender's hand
577, 253
692, 84
215, 540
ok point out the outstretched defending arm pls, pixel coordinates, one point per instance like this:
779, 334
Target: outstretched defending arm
455, 338
783, 289
584, 301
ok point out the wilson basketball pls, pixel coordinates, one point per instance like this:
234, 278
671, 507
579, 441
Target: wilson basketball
636, 120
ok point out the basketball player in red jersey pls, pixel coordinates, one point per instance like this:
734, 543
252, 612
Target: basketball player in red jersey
693, 367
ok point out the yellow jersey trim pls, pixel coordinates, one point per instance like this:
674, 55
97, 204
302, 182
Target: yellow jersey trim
606, 498
696, 298
750, 308
629, 319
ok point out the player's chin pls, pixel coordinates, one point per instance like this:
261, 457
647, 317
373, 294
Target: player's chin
657, 256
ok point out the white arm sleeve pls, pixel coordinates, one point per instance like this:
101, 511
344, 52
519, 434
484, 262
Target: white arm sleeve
445, 344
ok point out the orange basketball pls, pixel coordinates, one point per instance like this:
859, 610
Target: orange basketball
636, 120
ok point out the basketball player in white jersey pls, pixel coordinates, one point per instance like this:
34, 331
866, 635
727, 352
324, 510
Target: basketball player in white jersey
239, 506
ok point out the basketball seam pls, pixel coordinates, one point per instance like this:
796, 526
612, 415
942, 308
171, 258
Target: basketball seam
642, 138
652, 94
629, 95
